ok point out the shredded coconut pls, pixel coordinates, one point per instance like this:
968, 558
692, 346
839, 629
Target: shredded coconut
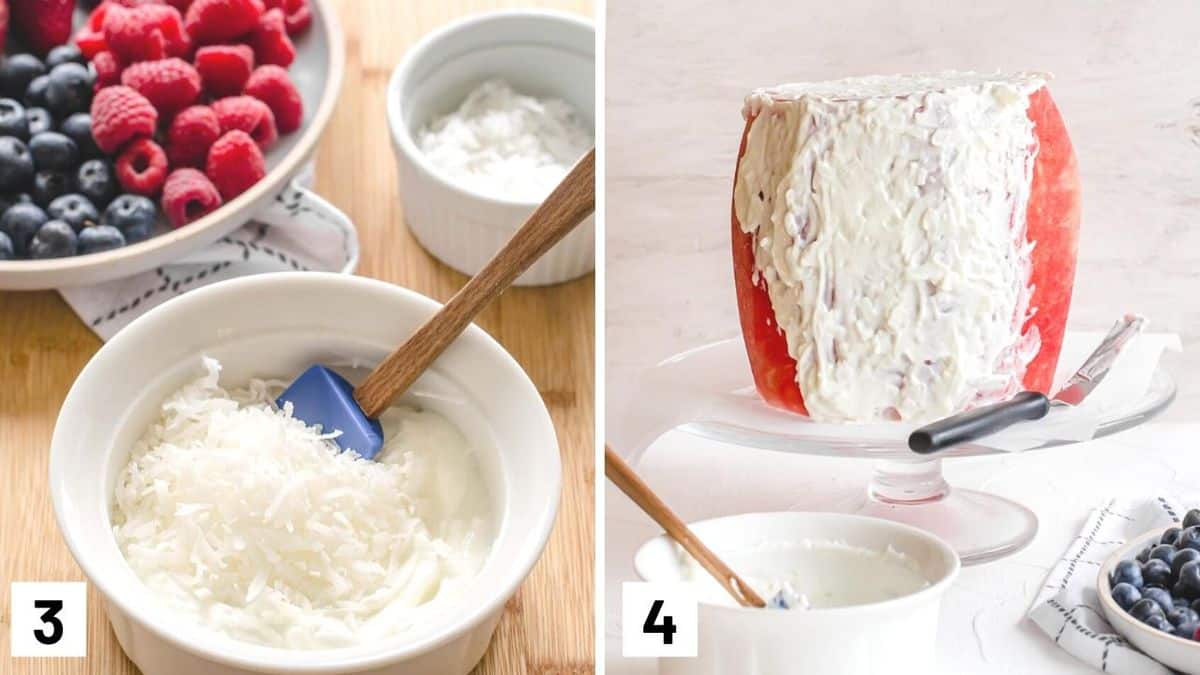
505, 144
251, 523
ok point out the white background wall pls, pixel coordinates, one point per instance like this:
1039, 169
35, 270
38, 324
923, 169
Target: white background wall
1127, 82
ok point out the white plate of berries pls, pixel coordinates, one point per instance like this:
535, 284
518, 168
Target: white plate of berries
135, 132
1150, 593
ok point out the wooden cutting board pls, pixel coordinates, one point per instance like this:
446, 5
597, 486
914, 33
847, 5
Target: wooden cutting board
548, 627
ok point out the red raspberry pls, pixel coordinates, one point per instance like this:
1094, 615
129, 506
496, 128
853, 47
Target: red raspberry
145, 33
181, 5
191, 134
142, 167
108, 69
211, 21
96, 18
224, 68
270, 40
136, 3
169, 84
120, 114
271, 85
248, 114
43, 23
235, 163
188, 195
90, 42
299, 16
3, 23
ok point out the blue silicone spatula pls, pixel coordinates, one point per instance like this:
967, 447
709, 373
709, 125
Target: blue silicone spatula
322, 397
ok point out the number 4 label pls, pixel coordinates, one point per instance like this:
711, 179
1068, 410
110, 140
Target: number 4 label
659, 619
49, 618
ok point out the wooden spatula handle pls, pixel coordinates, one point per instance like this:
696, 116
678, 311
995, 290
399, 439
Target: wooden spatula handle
561, 212
632, 485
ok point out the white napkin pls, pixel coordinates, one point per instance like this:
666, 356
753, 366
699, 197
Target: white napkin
298, 231
1068, 608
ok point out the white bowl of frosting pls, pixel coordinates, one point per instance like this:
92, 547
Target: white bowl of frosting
487, 114
864, 594
478, 465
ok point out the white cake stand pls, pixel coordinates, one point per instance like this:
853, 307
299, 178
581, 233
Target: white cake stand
709, 392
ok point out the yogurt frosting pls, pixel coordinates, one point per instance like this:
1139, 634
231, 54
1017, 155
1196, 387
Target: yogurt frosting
889, 223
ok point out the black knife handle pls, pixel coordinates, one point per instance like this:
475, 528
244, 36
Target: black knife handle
973, 424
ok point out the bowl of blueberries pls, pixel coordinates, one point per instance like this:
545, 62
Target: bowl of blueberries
1150, 593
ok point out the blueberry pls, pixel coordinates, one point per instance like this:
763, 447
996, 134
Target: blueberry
1189, 538
39, 120
1125, 595
106, 238
134, 216
6, 247
1163, 552
1182, 615
1180, 603
75, 210
1129, 572
1154, 573
17, 72
78, 127
1189, 579
35, 93
1169, 536
1161, 596
1187, 631
54, 151
1182, 557
12, 119
16, 165
48, 186
1144, 609
20, 222
1160, 623
1144, 554
55, 239
67, 53
95, 180
69, 90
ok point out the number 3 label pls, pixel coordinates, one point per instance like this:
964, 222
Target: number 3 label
49, 619
658, 620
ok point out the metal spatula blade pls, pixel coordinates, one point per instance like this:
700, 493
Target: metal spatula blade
321, 396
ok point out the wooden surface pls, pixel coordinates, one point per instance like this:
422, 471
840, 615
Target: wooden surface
548, 626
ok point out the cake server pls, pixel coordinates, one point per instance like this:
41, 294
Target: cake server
1027, 405
321, 396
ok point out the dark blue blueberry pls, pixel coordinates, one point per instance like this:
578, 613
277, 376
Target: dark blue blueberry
1189, 538
134, 216
1154, 573
20, 222
1160, 596
1127, 572
39, 120
78, 127
1170, 536
1187, 631
1144, 554
1144, 609
1182, 615
1160, 623
17, 72
106, 238
55, 239
1163, 552
69, 90
48, 186
12, 119
67, 53
95, 180
1182, 557
75, 210
1188, 583
1191, 518
54, 151
16, 165
1125, 595
6, 247
35, 93
1180, 603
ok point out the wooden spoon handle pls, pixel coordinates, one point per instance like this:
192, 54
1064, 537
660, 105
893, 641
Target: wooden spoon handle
561, 212
623, 477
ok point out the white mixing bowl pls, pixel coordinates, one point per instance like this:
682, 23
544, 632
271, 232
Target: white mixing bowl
274, 325
896, 636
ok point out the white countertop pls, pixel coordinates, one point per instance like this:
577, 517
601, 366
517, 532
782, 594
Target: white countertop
983, 627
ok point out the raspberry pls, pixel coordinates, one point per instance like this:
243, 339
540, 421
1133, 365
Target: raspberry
96, 18
142, 167
191, 134
211, 21
235, 163
188, 195
224, 68
299, 16
120, 114
271, 85
43, 23
136, 3
270, 40
181, 5
248, 114
90, 42
144, 33
169, 84
108, 69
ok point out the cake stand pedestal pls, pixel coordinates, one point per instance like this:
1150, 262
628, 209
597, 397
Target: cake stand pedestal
709, 392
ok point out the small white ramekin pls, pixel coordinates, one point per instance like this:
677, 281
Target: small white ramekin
545, 54
275, 325
894, 636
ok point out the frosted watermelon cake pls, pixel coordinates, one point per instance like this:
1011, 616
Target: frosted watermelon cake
904, 246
